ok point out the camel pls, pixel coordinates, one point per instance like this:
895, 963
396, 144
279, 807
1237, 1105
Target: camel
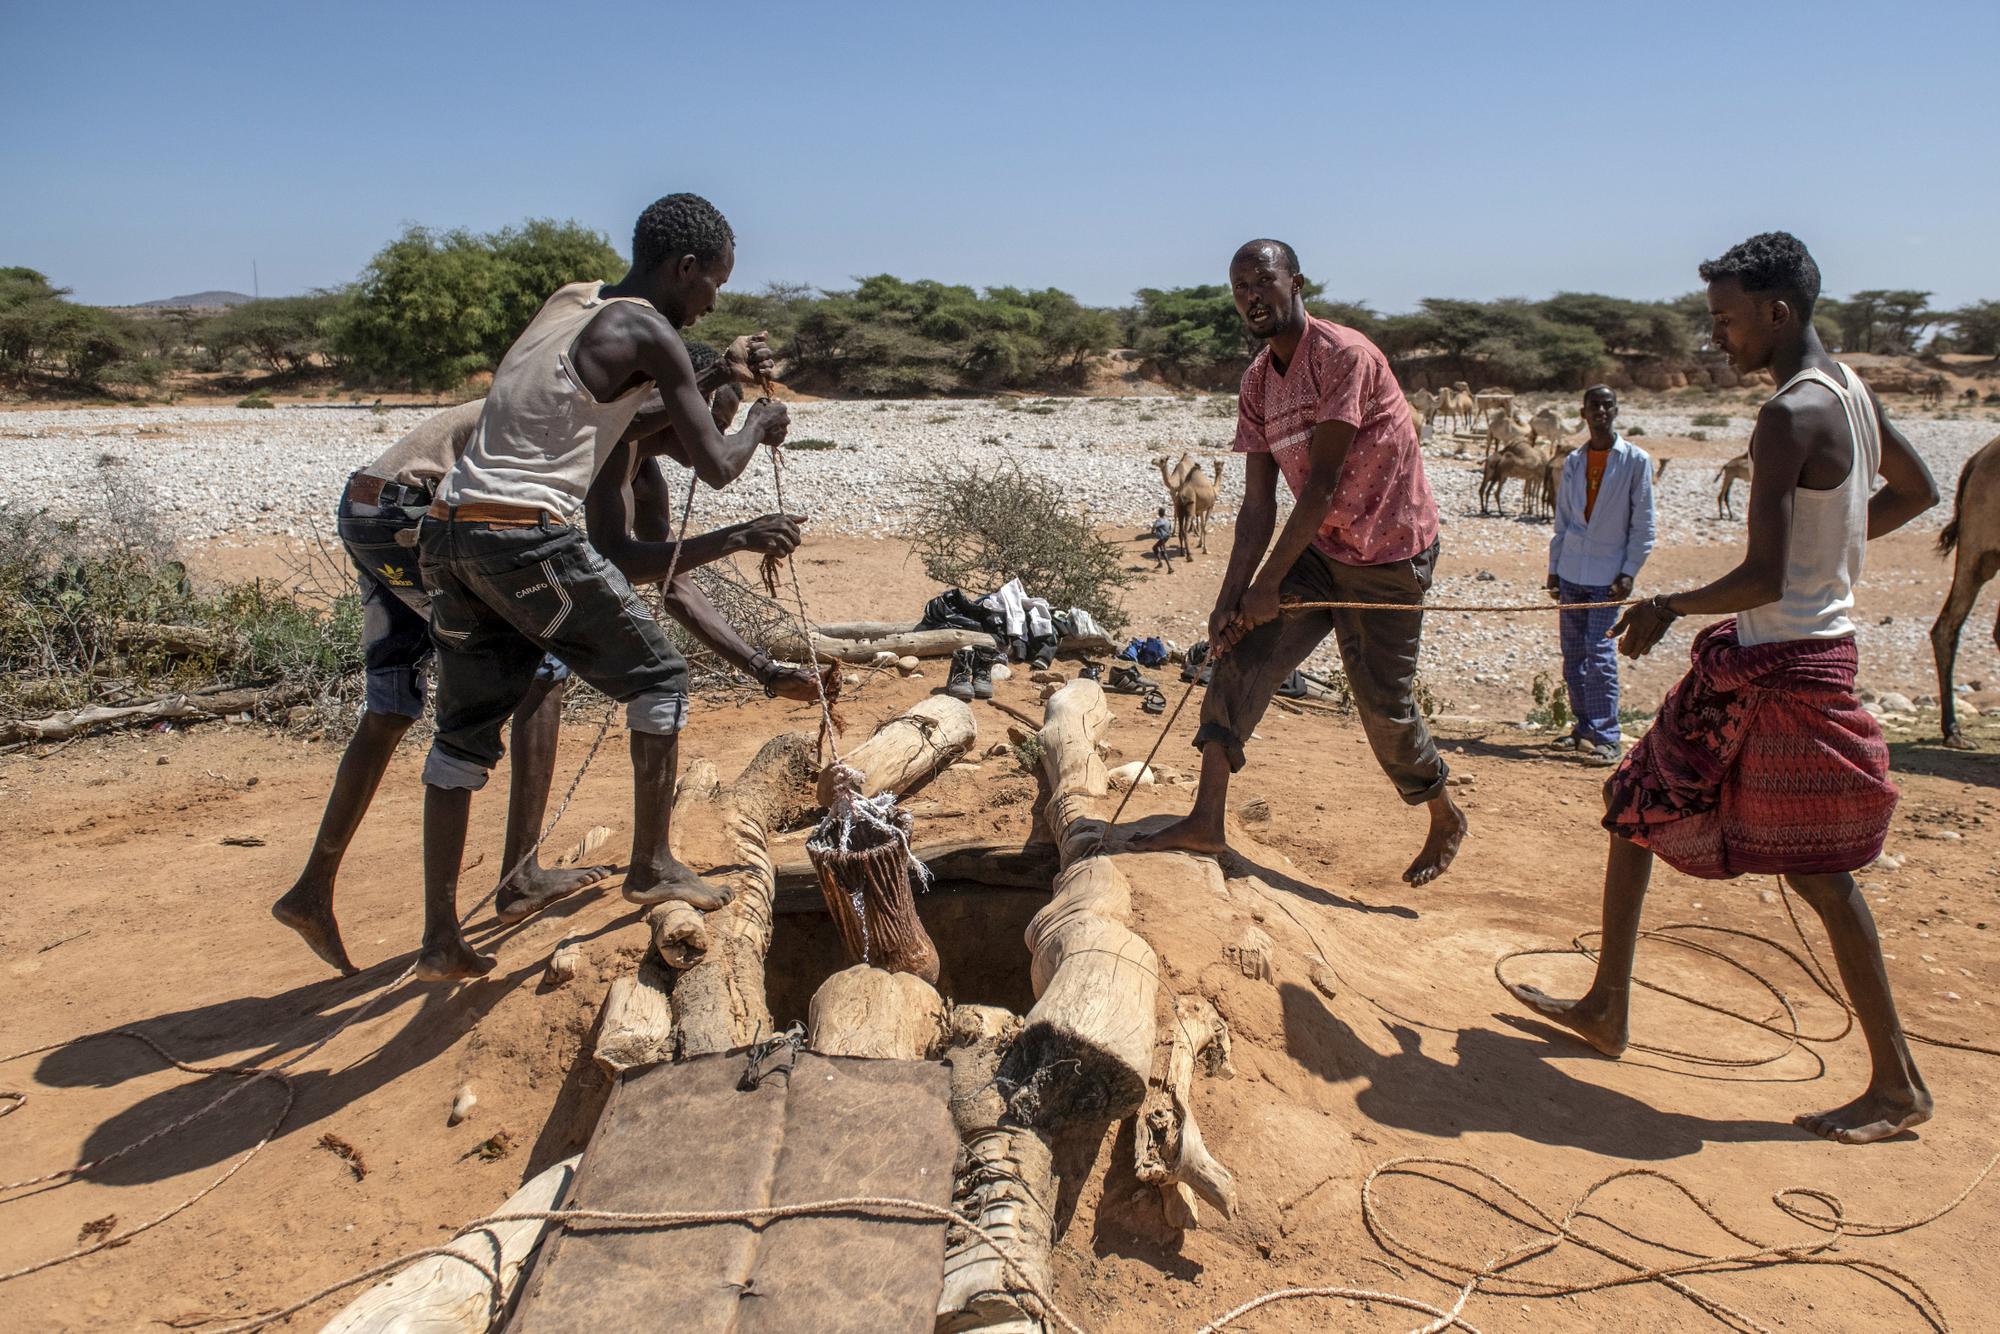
1423, 407
1729, 474
1506, 429
1455, 402
1933, 390
1517, 458
1193, 497
1493, 400
1548, 429
1974, 531
1660, 466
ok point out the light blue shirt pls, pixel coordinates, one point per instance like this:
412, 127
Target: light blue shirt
1618, 535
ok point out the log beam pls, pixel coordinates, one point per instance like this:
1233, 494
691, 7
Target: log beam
908, 748
1167, 1148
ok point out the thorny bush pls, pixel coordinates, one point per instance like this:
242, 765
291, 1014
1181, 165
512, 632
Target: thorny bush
975, 528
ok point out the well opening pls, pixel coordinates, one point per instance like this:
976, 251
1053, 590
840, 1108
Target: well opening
977, 930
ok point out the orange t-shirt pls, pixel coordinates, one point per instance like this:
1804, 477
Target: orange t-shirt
1593, 477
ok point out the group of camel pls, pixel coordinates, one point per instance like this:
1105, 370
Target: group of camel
1192, 494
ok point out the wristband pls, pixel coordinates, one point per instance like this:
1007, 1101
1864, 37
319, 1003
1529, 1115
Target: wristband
763, 668
1659, 601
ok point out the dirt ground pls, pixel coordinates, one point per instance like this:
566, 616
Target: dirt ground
125, 908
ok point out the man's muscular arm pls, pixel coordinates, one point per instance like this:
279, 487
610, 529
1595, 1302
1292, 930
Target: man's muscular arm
626, 344
1779, 447
1908, 489
622, 523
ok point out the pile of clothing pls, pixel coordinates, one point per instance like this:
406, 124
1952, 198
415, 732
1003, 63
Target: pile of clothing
1024, 628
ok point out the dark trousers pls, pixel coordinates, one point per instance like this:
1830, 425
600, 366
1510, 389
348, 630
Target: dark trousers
1378, 651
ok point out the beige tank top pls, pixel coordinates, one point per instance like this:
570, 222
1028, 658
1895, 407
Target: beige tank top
427, 452
1829, 534
543, 438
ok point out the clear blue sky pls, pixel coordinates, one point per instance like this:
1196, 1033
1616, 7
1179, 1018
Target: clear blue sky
1407, 150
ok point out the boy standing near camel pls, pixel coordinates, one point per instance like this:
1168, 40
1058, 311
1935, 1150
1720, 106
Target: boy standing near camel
1603, 534
1762, 761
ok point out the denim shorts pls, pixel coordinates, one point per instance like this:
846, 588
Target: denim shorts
396, 607
502, 598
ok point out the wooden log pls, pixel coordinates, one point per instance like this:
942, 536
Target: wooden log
197, 707
915, 744
1086, 1051
863, 1011
719, 1002
697, 788
1076, 718
186, 640
680, 937
636, 1026
1005, 1179
862, 651
1088, 1045
1167, 1148
440, 1294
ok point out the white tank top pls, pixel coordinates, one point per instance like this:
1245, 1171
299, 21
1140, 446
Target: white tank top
542, 438
1829, 533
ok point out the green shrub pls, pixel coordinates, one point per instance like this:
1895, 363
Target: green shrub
1711, 419
256, 399
809, 443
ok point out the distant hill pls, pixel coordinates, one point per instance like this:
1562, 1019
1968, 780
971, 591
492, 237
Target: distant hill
196, 301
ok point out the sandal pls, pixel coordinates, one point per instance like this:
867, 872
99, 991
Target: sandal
1154, 702
1127, 681
1567, 743
1090, 671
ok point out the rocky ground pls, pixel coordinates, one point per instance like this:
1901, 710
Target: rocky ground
240, 485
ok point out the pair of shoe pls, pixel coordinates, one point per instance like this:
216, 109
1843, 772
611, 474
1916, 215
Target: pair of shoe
1601, 754
971, 674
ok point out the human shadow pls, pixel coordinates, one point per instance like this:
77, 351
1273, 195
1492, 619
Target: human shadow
240, 1031
1934, 759
1498, 1083
1235, 864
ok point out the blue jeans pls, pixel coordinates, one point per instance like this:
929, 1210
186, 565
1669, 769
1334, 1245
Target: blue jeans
1590, 664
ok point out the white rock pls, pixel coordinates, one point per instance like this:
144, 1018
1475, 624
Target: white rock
1895, 703
1137, 773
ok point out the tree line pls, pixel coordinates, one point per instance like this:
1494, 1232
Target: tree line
433, 308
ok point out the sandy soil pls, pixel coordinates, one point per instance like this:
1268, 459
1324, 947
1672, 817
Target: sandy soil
124, 908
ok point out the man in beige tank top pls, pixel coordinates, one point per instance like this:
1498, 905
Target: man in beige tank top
1762, 760
377, 521
513, 576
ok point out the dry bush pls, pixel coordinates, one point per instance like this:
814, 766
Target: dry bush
975, 528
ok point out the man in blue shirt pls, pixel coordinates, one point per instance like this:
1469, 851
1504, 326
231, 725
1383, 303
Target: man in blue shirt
1603, 534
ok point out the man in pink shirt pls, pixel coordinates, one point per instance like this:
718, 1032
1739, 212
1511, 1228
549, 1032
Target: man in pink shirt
1320, 406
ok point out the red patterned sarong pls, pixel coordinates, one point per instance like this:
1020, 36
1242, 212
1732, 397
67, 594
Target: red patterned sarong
1761, 761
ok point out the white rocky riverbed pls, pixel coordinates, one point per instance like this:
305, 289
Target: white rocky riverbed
231, 475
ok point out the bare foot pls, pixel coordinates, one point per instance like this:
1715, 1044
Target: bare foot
309, 911
1586, 1021
1448, 828
1875, 1115
645, 885
537, 887
1188, 835
452, 961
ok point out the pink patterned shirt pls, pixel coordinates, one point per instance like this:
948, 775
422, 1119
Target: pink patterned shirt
1382, 510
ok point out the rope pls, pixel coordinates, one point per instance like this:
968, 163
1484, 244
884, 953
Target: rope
1286, 608
805, 621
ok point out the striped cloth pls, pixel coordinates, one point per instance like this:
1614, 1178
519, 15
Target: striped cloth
1762, 761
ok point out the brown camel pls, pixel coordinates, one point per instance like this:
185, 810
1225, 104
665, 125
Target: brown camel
1974, 531
1518, 458
1193, 497
1729, 474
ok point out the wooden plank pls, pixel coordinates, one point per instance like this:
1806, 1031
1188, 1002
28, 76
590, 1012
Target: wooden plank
685, 1137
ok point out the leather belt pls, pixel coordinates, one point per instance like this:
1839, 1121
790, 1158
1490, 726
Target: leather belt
368, 489
497, 516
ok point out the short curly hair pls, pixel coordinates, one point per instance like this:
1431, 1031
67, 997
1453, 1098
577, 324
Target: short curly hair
679, 225
1774, 262
1284, 249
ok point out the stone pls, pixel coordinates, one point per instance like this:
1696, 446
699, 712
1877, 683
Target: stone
1892, 702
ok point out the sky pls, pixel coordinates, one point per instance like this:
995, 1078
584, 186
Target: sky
1406, 150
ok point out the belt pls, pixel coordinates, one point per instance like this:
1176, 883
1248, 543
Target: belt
368, 489
496, 516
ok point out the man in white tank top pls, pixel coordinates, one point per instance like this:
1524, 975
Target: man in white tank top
1762, 760
513, 576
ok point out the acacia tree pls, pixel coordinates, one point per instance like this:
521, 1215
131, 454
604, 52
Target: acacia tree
1976, 328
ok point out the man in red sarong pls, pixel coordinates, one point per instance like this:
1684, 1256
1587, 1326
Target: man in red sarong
1762, 760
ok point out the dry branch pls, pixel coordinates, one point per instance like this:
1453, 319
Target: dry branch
1167, 1148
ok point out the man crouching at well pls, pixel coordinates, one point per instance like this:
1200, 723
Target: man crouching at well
1321, 407
1762, 760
